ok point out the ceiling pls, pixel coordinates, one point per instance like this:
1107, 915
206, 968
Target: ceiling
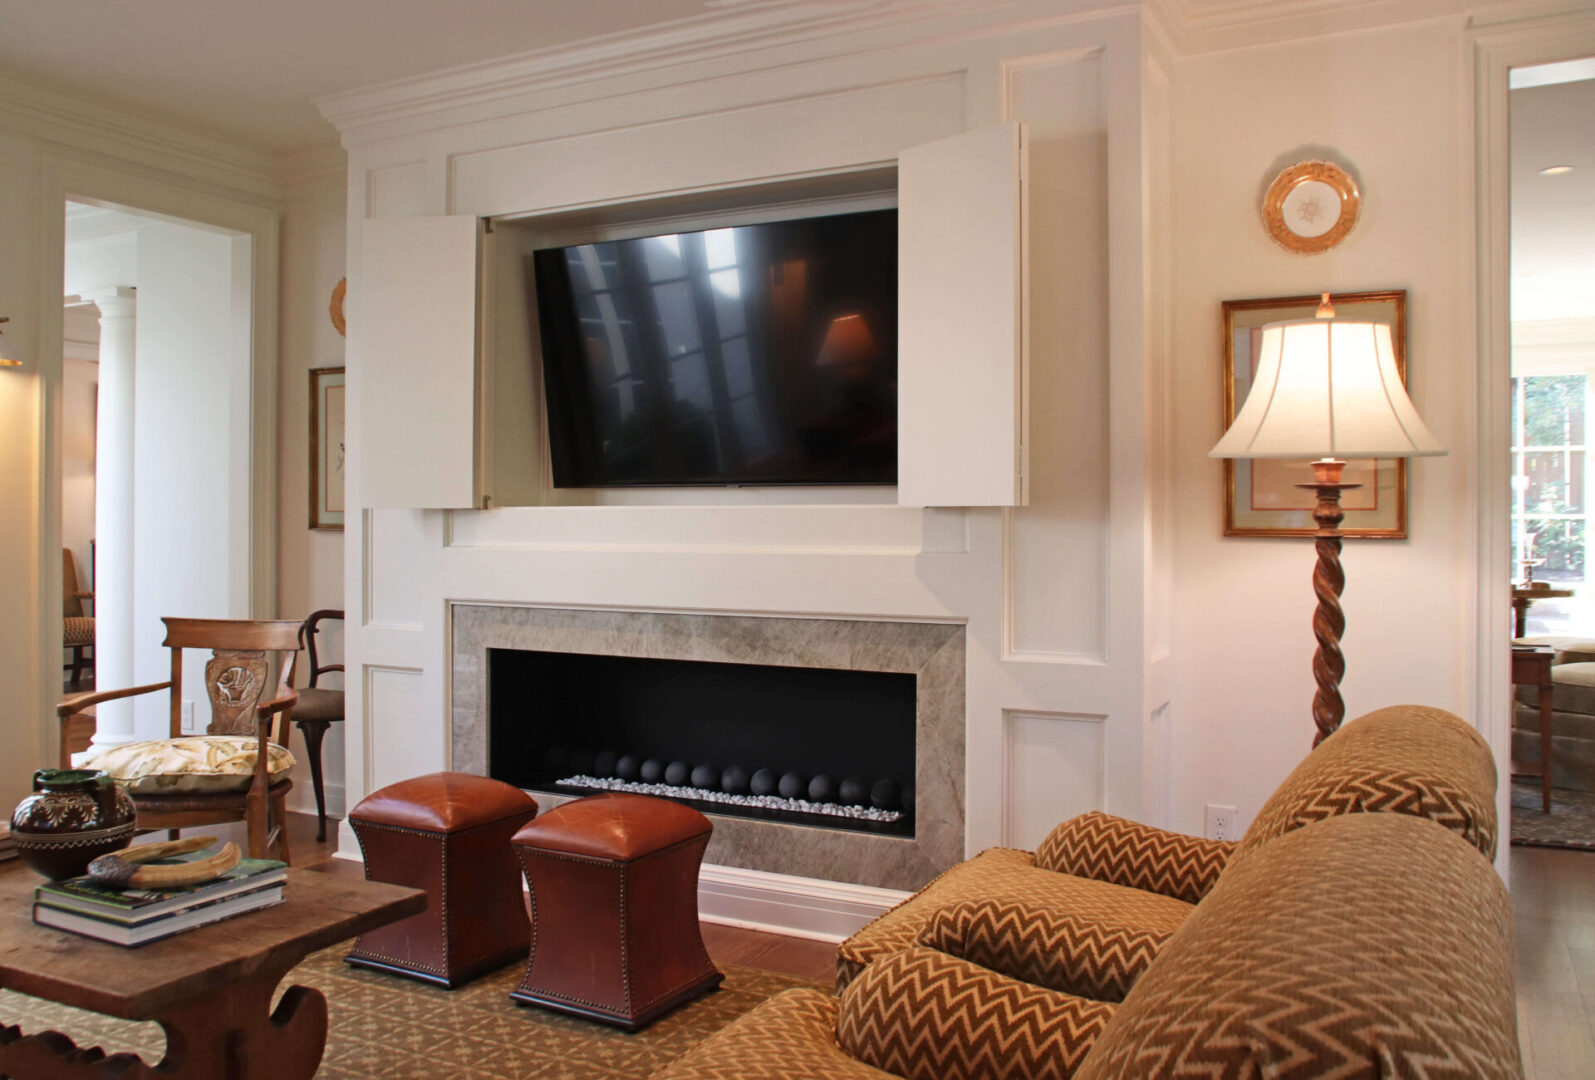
248, 70
1553, 217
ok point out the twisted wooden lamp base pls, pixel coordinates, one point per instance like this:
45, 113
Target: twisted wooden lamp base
1329, 622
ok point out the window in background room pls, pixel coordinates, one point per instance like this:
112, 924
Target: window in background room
1550, 503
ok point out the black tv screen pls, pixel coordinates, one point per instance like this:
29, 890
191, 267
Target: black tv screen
759, 354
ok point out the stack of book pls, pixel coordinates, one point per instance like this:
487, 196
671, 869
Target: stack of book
137, 916
8, 849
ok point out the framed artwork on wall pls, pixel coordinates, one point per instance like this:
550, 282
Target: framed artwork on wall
326, 448
1260, 495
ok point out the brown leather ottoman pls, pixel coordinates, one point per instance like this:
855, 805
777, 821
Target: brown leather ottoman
447, 833
614, 902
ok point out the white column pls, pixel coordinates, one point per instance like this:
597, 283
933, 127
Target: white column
113, 514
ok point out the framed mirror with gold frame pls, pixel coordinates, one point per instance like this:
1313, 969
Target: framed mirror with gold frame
1260, 495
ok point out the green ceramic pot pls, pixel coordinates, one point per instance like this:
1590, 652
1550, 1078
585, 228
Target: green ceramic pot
72, 817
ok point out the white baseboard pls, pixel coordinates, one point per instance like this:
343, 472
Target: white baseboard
302, 799
759, 900
348, 843
783, 904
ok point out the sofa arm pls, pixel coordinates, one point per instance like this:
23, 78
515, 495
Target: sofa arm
924, 1015
1108, 848
1052, 948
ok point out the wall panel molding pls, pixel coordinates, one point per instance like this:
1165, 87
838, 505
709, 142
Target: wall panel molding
1054, 767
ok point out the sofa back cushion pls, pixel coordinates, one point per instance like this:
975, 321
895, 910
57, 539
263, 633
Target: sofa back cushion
1406, 759
1108, 848
1368, 945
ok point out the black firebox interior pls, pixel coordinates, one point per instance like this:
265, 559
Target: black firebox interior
551, 714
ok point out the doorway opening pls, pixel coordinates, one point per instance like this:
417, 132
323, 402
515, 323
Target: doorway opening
156, 427
1552, 125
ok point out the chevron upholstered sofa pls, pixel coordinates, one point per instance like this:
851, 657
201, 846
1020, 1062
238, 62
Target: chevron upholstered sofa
1358, 946
1121, 888
1117, 949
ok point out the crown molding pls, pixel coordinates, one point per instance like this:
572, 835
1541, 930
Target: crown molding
1202, 26
310, 172
735, 28
1519, 13
100, 130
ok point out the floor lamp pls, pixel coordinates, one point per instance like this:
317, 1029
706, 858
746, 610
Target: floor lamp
1327, 390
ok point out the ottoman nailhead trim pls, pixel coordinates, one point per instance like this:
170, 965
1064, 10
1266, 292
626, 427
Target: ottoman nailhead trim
621, 866
625, 969
443, 900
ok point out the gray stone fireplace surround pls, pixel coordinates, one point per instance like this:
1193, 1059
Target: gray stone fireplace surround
933, 652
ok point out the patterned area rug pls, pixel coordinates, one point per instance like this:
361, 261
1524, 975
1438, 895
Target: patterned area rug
1570, 824
396, 1029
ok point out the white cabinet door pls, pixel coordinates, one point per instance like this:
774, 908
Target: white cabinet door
418, 362
961, 358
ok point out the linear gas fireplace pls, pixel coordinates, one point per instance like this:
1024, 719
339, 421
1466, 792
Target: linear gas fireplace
827, 748
816, 746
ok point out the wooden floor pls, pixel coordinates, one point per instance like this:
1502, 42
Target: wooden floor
1553, 895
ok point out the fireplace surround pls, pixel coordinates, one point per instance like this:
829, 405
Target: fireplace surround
931, 652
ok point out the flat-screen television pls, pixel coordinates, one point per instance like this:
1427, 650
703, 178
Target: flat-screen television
758, 354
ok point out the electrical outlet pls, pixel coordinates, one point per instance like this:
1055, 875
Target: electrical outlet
1220, 822
188, 717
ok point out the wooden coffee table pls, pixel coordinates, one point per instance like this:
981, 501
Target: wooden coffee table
210, 989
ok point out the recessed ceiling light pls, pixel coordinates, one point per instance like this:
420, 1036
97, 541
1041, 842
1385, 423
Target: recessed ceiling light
1556, 170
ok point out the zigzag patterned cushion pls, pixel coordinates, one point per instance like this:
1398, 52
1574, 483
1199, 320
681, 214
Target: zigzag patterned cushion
1108, 848
1407, 759
1011, 875
1367, 946
924, 1015
1057, 950
791, 1036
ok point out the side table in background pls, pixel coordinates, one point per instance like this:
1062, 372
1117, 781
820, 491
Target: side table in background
1531, 666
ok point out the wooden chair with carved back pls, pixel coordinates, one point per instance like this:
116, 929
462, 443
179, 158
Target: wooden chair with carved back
236, 682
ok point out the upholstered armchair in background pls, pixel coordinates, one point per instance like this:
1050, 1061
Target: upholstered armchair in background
77, 625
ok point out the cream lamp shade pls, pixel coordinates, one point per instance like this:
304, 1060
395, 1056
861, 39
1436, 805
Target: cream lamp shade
1327, 389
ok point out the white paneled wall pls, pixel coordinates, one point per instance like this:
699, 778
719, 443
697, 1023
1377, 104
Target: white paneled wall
1056, 704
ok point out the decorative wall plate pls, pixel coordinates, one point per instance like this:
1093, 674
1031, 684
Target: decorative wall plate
335, 309
1311, 206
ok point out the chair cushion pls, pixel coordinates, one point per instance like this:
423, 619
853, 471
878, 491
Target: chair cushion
195, 763
1569, 650
1572, 689
1362, 946
924, 1015
1011, 875
77, 631
317, 704
1108, 848
1406, 759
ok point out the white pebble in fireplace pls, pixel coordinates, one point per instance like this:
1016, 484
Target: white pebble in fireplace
893, 850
